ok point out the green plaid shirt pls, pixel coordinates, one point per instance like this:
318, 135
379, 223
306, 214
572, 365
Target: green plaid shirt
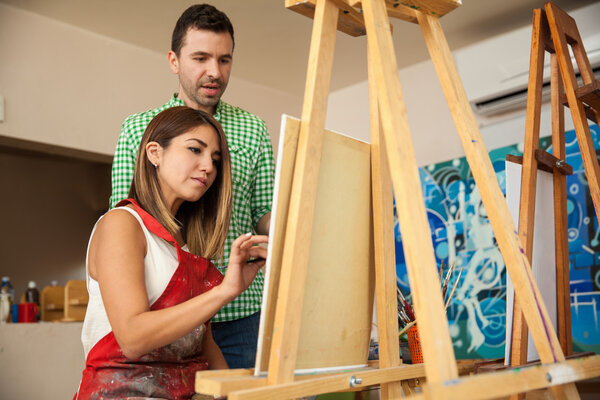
253, 172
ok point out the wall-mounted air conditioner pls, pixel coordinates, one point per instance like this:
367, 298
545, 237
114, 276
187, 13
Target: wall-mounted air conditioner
516, 99
495, 72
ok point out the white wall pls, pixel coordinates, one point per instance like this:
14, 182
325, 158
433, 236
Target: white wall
70, 87
433, 133
432, 130
66, 86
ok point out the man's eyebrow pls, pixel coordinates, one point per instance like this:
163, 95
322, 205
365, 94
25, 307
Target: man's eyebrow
207, 54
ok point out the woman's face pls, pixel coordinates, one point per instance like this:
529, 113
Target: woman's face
188, 167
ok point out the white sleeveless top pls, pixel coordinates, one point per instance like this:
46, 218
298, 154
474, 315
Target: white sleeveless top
160, 263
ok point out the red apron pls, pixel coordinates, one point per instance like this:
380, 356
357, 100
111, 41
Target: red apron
167, 372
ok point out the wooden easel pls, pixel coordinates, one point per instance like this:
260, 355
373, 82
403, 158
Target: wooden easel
553, 31
393, 159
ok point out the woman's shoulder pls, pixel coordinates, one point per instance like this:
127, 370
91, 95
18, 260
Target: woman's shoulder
117, 236
120, 223
123, 214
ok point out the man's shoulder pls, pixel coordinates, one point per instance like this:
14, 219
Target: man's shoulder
231, 112
135, 122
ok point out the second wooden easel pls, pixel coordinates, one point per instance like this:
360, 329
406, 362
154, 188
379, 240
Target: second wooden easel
393, 157
553, 32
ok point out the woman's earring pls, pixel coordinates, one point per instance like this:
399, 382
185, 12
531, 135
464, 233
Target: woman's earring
155, 165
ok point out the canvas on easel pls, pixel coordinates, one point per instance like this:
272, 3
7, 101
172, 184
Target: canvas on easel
543, 261
336, 313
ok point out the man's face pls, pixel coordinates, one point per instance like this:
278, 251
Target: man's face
203, 65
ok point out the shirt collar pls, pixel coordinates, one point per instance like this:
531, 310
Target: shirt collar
176, 101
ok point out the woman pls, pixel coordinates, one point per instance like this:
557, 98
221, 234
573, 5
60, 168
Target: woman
152, 287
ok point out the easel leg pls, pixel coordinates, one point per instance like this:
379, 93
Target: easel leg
516, 262
563, 286
284, 346
529, 176
385, 262
440, 364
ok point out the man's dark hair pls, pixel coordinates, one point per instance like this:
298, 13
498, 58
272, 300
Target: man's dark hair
202, 17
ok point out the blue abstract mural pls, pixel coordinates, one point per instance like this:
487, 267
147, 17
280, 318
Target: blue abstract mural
462, 234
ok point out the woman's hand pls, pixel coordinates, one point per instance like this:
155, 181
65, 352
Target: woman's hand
240, 273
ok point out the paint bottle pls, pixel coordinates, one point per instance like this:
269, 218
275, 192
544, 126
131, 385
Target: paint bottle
32, 295
15, 313
7, 294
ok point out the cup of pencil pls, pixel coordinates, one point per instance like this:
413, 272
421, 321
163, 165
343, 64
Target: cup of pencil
408, 321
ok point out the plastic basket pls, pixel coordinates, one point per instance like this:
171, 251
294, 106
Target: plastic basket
414, 344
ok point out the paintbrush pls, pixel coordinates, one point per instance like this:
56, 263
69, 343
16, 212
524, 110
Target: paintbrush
403, 317
454, 288
401, 306
447, 280
409, 311
406, 307
401, 312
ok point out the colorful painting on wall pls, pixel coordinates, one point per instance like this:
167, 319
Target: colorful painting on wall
461, 233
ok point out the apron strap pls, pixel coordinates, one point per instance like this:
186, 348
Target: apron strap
150, 222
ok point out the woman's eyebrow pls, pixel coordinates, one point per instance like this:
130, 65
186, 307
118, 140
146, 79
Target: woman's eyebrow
199, 141
218, 152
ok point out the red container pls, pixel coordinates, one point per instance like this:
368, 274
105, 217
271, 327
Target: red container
414, 344
27, 312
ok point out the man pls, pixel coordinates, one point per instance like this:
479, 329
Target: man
201, 55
